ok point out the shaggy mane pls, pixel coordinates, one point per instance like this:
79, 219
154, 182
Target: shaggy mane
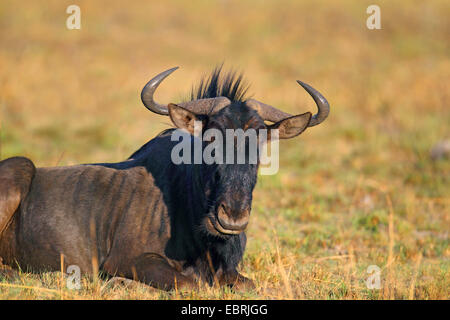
220, 84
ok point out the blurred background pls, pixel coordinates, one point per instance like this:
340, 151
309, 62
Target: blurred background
361, 186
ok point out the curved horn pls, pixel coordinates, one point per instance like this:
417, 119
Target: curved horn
150, 88
323, 107
200, 106
272, 114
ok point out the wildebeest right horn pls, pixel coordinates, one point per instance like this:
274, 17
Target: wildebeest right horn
149, 90
200, 106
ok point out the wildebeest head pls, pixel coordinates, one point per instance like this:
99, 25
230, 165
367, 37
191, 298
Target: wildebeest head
219, 105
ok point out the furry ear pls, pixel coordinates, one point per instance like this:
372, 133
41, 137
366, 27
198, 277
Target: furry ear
292, 126
183, 118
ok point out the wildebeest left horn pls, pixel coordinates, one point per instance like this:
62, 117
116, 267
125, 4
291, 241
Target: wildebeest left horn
200, 106
272, 114
149, 90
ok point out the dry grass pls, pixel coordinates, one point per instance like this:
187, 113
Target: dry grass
358, 190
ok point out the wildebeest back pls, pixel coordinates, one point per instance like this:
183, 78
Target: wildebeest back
84, 211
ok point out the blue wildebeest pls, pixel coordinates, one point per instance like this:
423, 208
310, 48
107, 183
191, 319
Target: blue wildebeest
147, 218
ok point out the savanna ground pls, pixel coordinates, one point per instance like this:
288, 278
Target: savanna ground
356, 191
